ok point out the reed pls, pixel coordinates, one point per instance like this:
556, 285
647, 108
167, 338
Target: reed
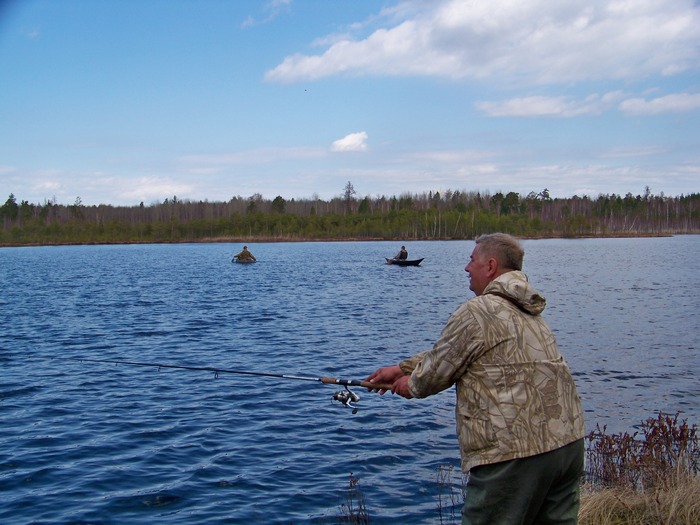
353, 509
648, 477
664, 449
450, 494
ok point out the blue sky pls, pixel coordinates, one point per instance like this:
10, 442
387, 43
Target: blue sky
128, 101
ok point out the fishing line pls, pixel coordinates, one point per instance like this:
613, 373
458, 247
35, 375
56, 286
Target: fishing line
346, 397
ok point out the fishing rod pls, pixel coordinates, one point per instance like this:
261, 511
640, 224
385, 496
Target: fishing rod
346, 397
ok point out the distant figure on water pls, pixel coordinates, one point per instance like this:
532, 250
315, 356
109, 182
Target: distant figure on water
245, 255
402, 255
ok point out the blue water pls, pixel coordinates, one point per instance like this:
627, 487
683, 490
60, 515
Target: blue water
97, 443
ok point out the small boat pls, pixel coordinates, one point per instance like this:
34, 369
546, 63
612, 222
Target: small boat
242, 261
404, 262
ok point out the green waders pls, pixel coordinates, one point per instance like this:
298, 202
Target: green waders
537, 490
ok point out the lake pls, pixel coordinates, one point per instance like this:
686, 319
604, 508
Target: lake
84, 442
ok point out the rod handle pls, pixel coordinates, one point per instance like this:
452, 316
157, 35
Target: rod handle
354, 382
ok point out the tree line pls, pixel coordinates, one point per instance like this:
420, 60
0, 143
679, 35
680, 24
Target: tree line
410, 216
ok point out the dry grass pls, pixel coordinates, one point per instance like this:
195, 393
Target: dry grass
679, 504
649, 477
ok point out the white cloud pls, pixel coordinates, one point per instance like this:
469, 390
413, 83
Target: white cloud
215, 163
446, 157
621, 153
272, 10
351, 142
540, 106
45, 186
92, 187
532, 42
561, 106
674, 103
148, 189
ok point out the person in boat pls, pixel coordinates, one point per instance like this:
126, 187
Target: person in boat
245, 255
402, 255
519, 417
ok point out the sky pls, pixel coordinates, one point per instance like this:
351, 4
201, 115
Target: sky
124, 102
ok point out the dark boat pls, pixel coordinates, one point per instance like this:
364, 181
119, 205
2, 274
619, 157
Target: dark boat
242, 261
404, 262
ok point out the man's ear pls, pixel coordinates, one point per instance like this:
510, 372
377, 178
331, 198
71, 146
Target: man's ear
492, 267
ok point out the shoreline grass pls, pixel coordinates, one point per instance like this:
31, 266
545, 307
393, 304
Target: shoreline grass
649, 477
678, 503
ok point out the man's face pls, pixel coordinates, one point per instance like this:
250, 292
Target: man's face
478, 272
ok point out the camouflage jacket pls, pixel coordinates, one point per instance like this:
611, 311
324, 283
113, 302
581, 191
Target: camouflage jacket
515, 394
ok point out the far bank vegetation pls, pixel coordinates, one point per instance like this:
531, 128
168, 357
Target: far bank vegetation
427, 216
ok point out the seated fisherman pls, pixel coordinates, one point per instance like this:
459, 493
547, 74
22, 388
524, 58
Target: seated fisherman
245, 255
402, 255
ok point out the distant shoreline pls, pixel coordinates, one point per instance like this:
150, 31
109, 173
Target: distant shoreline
270, 240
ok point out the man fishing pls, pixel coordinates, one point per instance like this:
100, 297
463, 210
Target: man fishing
244, 255
402, 255
519, 416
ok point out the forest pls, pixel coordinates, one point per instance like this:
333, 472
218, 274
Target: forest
427, 216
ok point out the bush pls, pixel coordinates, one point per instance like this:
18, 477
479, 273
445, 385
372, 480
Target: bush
667, 448
649, 477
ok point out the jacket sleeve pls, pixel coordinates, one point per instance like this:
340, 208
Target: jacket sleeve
460, 342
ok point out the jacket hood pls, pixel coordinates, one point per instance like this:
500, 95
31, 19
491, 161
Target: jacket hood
515, 287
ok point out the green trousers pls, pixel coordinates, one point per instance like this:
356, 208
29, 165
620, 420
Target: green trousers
538, 490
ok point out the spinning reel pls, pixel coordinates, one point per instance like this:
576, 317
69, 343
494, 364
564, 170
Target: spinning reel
347, 397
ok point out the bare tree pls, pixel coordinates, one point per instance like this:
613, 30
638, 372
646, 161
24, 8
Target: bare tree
348, 195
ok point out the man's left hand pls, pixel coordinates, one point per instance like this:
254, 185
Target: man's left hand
400, 387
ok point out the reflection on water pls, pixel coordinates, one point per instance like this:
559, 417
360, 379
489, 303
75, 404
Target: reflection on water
87, 442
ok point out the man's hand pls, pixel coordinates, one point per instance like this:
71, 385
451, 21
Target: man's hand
400, 387
390, 375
